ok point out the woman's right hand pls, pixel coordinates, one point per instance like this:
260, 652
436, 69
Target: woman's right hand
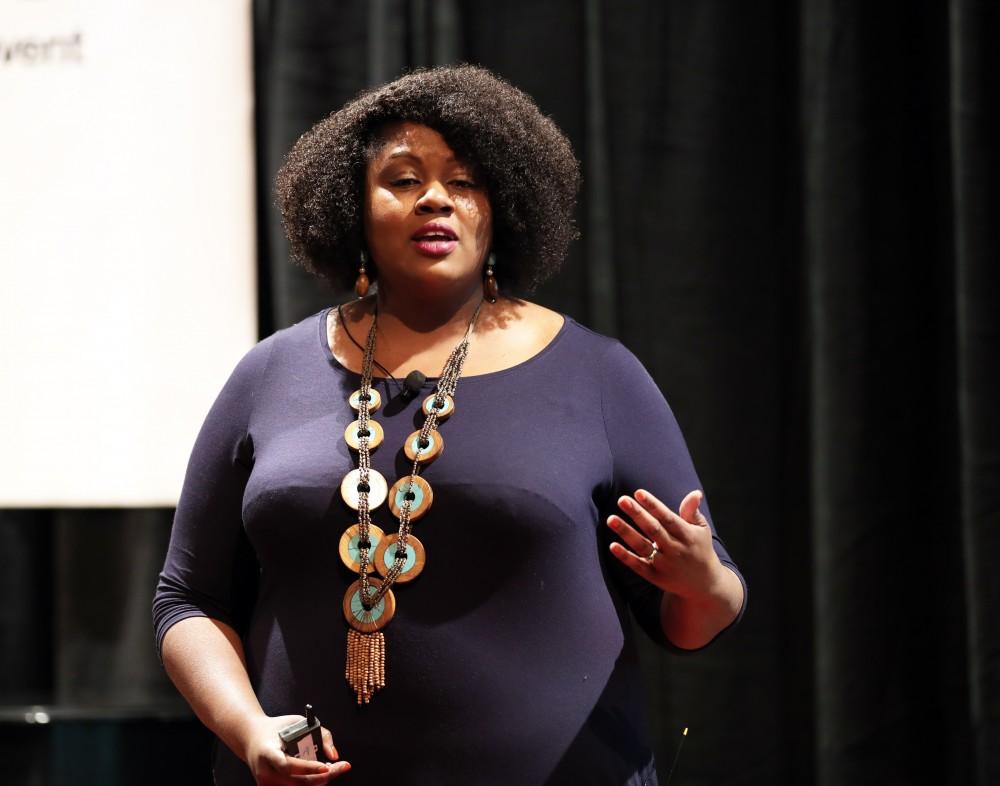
271, 766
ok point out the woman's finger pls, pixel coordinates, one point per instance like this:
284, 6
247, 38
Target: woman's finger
638, 543
296, 766
328, 747
634, 562
688, 509
273, 761
645, 521
316, 780
332, 771
673, 524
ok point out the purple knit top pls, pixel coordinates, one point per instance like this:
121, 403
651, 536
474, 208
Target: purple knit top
511, 658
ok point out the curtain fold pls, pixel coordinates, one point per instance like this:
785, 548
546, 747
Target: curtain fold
975, 171
884, 491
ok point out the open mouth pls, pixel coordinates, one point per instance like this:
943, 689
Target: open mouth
435, 232
435, 239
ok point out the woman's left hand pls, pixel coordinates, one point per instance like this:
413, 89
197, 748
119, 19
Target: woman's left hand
671, 550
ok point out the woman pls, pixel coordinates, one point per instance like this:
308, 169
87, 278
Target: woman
510, 657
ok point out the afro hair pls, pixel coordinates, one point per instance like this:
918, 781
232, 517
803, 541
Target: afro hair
531, 174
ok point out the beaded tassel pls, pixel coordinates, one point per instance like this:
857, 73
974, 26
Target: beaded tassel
365, 670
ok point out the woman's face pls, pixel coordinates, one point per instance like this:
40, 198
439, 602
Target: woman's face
428, 223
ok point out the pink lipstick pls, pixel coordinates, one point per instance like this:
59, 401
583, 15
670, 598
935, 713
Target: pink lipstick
435, 239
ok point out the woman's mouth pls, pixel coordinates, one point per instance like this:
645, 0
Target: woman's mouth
436, 240
435, 247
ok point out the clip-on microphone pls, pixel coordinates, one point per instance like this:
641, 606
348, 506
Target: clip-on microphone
413, 383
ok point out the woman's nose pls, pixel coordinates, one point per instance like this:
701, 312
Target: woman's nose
435, 200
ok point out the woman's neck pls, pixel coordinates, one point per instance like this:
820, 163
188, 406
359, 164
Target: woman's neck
423, 317
416, 332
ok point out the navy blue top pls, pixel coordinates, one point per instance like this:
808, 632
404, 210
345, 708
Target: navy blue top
511, 657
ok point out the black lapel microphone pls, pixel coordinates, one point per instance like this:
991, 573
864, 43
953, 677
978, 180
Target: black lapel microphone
413, 383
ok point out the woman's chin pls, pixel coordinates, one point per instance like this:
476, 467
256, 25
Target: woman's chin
442, 274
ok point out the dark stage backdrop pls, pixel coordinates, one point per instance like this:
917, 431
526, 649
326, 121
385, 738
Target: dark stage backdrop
789, 214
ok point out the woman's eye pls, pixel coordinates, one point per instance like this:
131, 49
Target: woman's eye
404, 181
463, 183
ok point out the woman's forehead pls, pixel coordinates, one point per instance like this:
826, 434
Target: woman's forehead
407, 138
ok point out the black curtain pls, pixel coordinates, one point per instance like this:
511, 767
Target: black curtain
787, 215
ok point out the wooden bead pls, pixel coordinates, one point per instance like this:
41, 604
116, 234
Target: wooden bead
413, 451
385, 556
350, 554
375, 436
365, 668
422, 497
490, 289
361, 284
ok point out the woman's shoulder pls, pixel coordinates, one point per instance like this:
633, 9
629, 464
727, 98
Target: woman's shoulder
563, 336
576, 335
516, 314
300, 337
537, 314
530, 323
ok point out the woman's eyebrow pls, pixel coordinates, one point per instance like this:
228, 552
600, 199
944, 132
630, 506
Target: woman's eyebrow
407, 153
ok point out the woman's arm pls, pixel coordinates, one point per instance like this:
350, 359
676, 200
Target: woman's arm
204, 588
691, 623
689, 590
204, 658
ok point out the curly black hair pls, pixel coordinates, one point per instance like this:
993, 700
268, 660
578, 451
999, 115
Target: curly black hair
531, 174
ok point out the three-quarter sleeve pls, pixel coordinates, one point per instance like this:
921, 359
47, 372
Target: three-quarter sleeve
209, 563
648, 452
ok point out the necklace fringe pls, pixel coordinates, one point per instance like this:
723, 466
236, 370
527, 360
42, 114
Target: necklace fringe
365, 669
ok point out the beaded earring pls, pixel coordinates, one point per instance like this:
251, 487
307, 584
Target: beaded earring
361, 283
490, 289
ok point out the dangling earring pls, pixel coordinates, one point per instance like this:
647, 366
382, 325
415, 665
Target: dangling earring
490, 289
361, 284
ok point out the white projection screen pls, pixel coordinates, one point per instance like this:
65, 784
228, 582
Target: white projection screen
127, 241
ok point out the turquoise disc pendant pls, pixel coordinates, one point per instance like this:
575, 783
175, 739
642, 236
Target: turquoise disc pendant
426, 454
373, 403
368, 620
385, 557
419, 504
350, 552
444, 411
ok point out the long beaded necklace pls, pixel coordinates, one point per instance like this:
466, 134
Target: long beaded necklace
369, 603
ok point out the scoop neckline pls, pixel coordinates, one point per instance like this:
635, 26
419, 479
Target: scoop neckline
324, 315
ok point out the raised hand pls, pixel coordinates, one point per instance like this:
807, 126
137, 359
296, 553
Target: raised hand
671, 550
674, 552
